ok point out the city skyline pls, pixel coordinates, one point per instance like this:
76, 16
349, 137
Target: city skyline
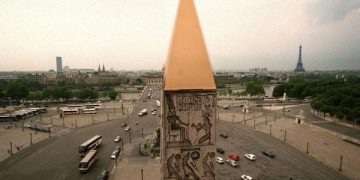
135, 35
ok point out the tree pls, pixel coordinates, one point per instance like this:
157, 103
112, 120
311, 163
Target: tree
87, 93
138, 81
339, 115
229, 92
113, 94
254, 89
279, 90
35, 96
16, 91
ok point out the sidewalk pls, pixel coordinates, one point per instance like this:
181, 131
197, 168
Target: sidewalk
19, 139
334, 120
131, 162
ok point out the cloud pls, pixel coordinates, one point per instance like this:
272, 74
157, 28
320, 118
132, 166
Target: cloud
327, 11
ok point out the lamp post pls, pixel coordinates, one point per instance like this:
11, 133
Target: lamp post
11, 153
307, 148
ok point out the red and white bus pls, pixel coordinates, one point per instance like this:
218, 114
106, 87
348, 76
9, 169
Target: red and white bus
87, 161
97, 106
90, 144
70, 111
89, 111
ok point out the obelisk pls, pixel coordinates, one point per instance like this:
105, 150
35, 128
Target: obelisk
188, 132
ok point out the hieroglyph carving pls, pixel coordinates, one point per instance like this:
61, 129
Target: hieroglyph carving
189, 135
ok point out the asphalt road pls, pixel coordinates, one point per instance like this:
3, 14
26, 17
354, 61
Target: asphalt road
288, 163
58, 157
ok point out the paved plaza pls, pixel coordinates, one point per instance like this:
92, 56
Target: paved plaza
324, 145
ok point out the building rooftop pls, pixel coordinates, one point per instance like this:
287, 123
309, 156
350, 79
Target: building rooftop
188, 66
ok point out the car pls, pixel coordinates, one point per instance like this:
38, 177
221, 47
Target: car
142, 112
232, 162
117, 139
226, 106
234, 156
118, 148
250, 157
220, 150
220, 160
153, 113
124, 124
269, 154
104, 175
224, 135
246, 177
127, 128
115, 154
27, 125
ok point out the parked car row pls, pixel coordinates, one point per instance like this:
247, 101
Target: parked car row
233, 158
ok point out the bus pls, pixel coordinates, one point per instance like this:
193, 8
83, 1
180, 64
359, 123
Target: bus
75, 106
89, 111
96, 106
70, 111
90, 144
87, 161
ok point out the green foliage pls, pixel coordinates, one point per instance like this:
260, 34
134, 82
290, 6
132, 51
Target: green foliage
256, 80
138, 81
337, 97
220, 86
57, 93
16, 90
254, 89
87, 93
35, 96
113, 94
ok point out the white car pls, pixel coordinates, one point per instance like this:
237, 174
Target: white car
127, 128
250, 157
153, 113
27, 125
117, 139
220, 160
246, 177
115, 154
232, 162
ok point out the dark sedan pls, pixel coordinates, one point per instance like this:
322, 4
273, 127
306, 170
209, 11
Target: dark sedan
220, 150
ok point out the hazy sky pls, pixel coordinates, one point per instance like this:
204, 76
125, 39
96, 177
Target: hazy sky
136, 34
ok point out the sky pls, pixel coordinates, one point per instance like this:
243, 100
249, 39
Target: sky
136, 34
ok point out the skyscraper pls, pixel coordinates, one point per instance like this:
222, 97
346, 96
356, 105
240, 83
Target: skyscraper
59, 64
299, 66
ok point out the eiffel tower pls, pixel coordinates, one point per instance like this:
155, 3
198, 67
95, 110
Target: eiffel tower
299, 66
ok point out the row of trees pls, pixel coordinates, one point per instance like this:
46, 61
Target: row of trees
337, 97
62, 93
252, 89
243, 80
17, 90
